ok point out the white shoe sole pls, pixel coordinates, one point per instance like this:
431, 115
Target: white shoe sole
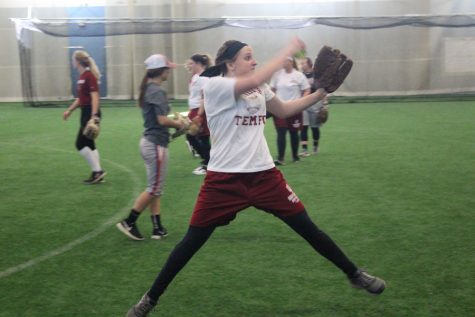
126, 232
99, 179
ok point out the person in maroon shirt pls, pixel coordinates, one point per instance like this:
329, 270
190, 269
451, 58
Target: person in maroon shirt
88, 102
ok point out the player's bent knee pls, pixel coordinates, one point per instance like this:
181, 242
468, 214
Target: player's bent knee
154, 193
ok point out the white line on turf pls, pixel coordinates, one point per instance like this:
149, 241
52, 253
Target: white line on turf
69, 246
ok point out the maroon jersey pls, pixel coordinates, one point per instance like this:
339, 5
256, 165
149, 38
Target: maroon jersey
87, 83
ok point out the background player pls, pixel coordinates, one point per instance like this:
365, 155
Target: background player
288, 84
88, 102
153, 102
198, 64
310, 115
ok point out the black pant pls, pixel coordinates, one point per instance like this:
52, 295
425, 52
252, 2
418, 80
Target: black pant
281, 143
196, 237
201, 145
315, 133
81, 140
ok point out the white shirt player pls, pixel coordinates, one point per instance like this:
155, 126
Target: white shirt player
237, 127
289, 86
195, 88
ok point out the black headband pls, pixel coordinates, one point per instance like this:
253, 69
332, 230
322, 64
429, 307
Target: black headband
232, 50
228, 54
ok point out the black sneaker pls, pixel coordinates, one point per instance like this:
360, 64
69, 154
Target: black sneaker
98, 177
279, 163
371, 284
130, 231
200, 170
159, 233
304, 153
142, 308
89, 180
95, 178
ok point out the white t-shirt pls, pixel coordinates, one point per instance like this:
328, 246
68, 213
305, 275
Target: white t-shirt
236, 127
195, 87
289, 86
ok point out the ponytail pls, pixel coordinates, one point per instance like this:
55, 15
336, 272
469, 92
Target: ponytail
143, 84
86, 61
203, 59
94, 69
151, 73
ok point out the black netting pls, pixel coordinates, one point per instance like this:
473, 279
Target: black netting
419, 54
26, 76
87, 27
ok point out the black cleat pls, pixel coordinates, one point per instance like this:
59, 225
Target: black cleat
159, 233
279, 163
142, 308
130, 231
95, 178
89, 180
371, 284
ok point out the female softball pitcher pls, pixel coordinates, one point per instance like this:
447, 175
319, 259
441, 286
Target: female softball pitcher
241, 172
153, 102
88, 102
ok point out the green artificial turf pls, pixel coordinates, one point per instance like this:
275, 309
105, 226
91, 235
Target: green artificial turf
393, 185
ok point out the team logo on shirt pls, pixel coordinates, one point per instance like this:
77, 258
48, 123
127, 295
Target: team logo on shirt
253, 103
252, 98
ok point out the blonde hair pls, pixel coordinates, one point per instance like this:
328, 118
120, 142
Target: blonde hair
85, 60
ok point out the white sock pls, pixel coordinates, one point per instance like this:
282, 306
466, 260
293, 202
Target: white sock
97, 161
91, 158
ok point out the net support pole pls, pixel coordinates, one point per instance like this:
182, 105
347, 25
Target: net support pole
131, 11
173, 50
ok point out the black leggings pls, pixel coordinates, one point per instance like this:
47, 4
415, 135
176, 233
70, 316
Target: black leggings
281, 143
196, 237
315, 133
201, 145
81, 140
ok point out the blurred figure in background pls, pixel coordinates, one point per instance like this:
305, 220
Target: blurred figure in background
288, 84
198, 63
310, 115
88, 102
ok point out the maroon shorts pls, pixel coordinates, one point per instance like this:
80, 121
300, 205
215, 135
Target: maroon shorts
204, 126
280, 123
293, 123
223, 195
